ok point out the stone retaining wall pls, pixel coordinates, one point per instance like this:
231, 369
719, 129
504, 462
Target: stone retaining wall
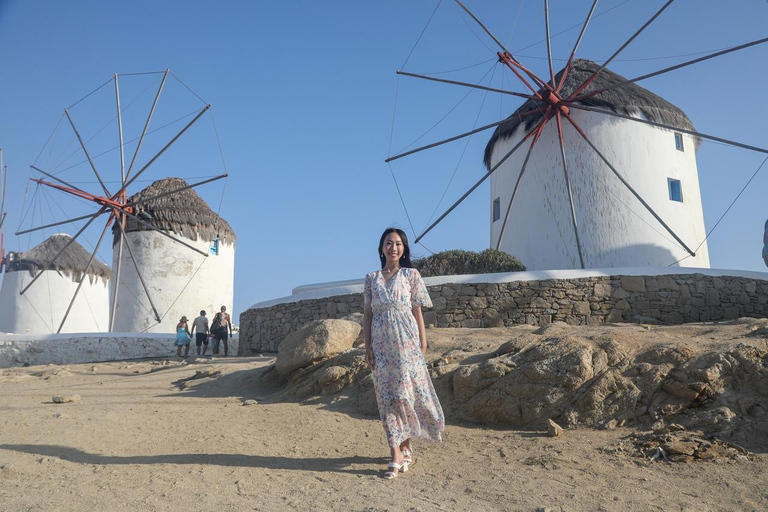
669, 299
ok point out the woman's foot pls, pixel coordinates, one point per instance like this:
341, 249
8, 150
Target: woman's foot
397, 464
405, 449
395, 468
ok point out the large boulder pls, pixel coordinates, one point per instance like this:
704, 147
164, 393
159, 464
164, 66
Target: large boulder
545, 381
357, 318
316, 341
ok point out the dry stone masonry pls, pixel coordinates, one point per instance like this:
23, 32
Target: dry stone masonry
663, 299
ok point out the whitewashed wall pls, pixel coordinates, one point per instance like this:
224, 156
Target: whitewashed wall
42, 307
615, 229
23, 350
181, 282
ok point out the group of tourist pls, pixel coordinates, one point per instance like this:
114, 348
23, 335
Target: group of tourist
219, 332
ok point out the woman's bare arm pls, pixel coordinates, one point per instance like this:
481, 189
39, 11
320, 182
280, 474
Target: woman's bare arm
422, 331
367, 319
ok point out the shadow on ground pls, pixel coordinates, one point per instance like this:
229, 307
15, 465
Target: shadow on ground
320, 464
243, 384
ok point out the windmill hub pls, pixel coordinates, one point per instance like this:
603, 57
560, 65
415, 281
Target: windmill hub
555, 101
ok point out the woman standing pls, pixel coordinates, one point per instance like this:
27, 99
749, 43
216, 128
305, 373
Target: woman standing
395, 345
182, 337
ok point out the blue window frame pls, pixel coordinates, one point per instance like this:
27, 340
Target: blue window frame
215, 247
679, 141
675, 190
496, 209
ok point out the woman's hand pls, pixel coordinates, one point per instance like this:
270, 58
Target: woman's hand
367, 319
422, 331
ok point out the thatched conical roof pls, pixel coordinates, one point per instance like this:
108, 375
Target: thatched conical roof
72, 261
629, 100
184, 213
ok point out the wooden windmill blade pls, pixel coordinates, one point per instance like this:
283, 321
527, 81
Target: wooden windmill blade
3, 184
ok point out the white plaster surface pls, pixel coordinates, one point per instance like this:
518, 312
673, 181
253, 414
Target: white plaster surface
42, 307
23, 350
180, 281
615, 229
331, 289
319, 286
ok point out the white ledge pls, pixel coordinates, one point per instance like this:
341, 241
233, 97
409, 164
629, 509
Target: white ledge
332, 289
10, 336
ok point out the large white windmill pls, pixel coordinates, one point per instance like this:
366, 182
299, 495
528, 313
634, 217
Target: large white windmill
592, 171
74, 160
638, 216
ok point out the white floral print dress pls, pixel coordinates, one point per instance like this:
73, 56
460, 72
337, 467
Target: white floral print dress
407, 401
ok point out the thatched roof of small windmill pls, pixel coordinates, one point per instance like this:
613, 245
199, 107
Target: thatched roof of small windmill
184, 213
72, 261
630, 99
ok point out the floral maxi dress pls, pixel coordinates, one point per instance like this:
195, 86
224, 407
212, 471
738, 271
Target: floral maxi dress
407, 401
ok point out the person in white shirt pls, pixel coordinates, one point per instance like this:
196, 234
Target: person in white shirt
200, 324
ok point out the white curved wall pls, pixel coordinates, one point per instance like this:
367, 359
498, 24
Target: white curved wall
614, 228
180, 281
27, 350
41, 309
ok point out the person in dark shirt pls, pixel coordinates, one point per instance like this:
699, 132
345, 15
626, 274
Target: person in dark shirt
221, 330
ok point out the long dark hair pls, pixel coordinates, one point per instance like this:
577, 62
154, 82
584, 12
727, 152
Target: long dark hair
405, 259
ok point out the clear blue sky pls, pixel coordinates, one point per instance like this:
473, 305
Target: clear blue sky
304, 92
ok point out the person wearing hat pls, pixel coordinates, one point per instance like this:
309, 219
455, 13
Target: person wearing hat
183, 337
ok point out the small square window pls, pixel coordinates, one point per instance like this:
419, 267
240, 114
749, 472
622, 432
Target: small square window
496, 209
215, 247
679, 141
675, 190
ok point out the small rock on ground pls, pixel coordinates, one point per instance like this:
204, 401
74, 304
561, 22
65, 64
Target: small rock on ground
66, 399
554, 429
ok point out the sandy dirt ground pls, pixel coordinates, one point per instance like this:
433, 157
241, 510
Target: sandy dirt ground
145, 436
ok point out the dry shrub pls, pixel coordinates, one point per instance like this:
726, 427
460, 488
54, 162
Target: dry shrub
455, 262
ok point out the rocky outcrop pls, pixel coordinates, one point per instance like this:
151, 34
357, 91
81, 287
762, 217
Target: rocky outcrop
315, 342
573, 378
711, 377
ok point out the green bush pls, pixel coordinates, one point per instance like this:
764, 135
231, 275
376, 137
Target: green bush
448, 263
